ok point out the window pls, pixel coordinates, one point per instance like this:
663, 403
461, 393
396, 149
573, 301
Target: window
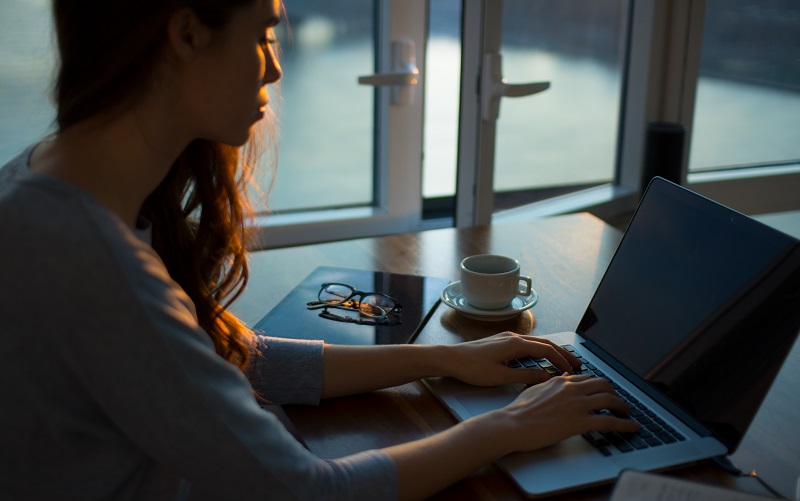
442, 82
567, 135
322, 107
564, 137
572, 55
748, 93
350, 155
728, 71
26, 66
353, 162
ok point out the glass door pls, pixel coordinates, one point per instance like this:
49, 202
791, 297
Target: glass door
516, 147
350, 147
326, 120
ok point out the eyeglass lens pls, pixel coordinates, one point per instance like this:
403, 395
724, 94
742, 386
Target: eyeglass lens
372, 305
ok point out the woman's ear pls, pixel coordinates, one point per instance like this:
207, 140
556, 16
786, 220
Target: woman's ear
186, 34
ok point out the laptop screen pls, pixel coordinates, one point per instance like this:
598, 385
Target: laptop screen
701, 302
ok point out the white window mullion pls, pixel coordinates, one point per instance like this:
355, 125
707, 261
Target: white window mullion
483, 22
473, 168
400, 182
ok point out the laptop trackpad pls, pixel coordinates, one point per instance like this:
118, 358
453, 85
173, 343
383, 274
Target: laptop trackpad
478, 401
560, 467
465, 400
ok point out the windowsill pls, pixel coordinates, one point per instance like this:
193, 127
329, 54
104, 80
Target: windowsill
316, 216
605, 201
751, 190
311, 227
740, 173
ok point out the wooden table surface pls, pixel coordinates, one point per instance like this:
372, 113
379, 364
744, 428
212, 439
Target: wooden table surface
565, 256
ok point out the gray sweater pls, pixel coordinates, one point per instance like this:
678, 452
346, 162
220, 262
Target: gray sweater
110, 390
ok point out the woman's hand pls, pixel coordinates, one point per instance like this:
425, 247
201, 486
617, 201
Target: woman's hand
484, 362
563, 406
542, 415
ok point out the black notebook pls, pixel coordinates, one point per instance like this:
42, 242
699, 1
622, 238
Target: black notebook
292, 319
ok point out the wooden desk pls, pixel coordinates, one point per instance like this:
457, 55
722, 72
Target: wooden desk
566, 257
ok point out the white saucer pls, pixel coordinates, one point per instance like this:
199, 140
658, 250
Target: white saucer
452, 296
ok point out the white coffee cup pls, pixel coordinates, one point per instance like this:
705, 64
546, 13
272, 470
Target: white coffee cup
490, 282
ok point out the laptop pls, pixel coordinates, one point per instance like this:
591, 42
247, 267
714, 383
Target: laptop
691, 321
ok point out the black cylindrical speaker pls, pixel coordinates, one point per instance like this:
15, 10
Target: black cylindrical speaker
663, 152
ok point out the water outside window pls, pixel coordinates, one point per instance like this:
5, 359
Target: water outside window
27, 55
326, 118
748, 96
442, 88
566, 135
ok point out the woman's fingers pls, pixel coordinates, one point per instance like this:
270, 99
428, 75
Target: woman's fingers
484, 362
532, 376
568, 405
569, 357
600, 401
608, 422
518, 346
584, 394
596, 394
558, 356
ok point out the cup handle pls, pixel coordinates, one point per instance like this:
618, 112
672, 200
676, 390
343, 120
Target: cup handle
527, 290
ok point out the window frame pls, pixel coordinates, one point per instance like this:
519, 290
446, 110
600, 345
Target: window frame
661, 75
661, 72
397, 153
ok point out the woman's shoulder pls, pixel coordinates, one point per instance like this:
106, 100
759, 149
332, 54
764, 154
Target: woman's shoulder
70, 253
52, 226
45, 209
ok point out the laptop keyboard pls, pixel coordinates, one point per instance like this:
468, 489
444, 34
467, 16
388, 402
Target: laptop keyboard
655, 431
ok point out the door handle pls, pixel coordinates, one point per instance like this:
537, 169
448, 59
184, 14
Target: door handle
494, 86
403, 77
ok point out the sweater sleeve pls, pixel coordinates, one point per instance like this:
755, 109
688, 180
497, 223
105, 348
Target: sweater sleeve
287, 371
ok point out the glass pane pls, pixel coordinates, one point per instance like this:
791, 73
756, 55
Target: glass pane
442, 81
326, 131
566, 135
748, 97
27, 55
326, 118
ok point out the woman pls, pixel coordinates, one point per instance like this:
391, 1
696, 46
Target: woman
122, 374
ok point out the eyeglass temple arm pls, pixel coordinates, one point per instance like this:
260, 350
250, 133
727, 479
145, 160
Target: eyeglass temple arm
315, 305
359, 320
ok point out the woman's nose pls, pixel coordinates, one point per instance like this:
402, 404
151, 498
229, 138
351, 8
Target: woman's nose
272, 72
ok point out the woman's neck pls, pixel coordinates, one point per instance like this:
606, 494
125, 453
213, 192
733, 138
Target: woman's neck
119, 160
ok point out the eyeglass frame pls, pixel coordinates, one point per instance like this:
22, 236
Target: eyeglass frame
313, 305
360, 320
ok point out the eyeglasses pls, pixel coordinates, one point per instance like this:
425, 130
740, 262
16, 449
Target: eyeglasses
370, 304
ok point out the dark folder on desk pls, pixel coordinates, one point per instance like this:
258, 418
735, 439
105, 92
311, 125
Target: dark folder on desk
291, 319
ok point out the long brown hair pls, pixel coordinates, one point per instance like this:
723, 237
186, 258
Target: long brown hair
200, 212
